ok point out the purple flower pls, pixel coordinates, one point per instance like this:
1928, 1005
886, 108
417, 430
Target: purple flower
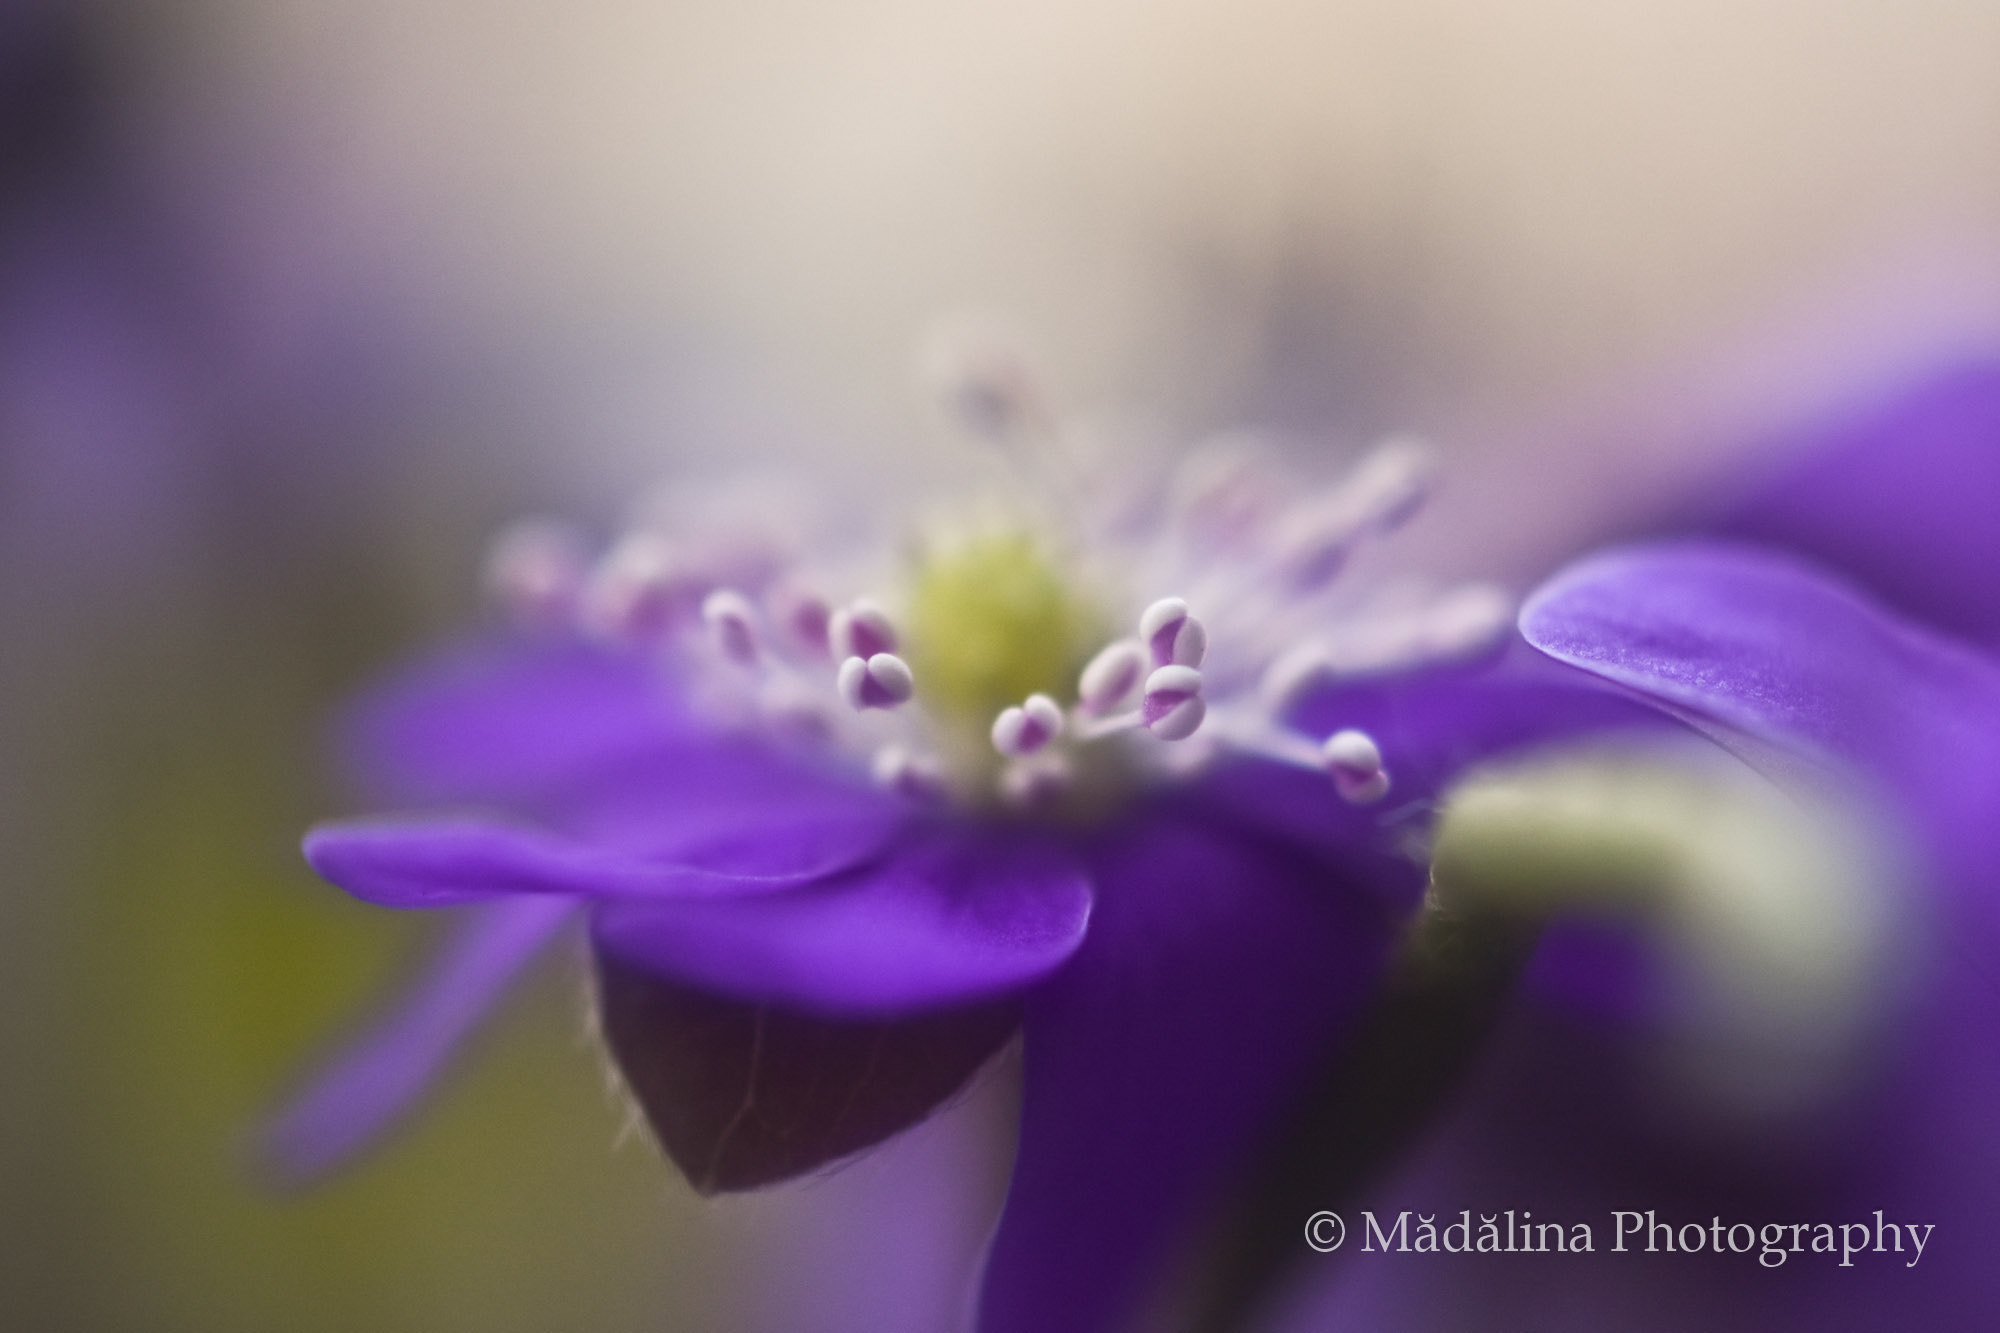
1141, 777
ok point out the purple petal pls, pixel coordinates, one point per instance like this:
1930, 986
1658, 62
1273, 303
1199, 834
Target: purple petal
944, 918
363, 1092
1557, 1123
1901, 501
1219, 968
506, 718
442, 863
1600, 967
1769, 647
727, 795
593, 744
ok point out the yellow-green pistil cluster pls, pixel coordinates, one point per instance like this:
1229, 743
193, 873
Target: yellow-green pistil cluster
989, 622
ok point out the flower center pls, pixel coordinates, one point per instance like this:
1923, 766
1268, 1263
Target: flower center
990, 622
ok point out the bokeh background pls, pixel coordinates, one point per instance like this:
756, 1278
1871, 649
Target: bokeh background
299, 301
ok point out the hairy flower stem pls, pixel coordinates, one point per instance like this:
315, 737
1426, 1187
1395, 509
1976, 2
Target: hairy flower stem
1375, 1096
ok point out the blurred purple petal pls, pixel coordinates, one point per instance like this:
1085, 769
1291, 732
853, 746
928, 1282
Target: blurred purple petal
1770, 647
359, 1096
939, 920
596, 744
1902, 501
443, 863
1558, 1124
715, 800
1219, 968
1600, 967
505, 718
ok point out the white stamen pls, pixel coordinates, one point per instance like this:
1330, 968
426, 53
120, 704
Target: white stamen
1463, 621
1111, 676
1352, 752
1010, 733
1365, 792
1467, 619
1349, 756
1355, 762
1313, 544
1180, 722
534, 571
1292, 673
1173, 707
861, 629
635, 591
1226, 488
1024, 730
919, 777
1160, 614
1172, 634
803, 616
1315, 540
1246, 732
880, 681
1393, 482
731, 622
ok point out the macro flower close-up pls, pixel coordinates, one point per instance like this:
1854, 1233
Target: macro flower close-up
1038, 668
834, 845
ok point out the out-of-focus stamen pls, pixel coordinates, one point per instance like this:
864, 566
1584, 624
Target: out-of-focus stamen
1173, 707
1172, 634
880, 681
1463, 621
1467, 619
731, 622
1225, 489
1111, 676
861, 629
1394, 480
1292, 673
1349, 756
1028, 728
534, 571
636, 591
804, 618
1315, 540
1355, 763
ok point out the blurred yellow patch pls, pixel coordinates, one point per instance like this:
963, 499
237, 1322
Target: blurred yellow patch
991, 621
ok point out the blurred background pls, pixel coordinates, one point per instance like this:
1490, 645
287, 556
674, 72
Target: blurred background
298, 302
